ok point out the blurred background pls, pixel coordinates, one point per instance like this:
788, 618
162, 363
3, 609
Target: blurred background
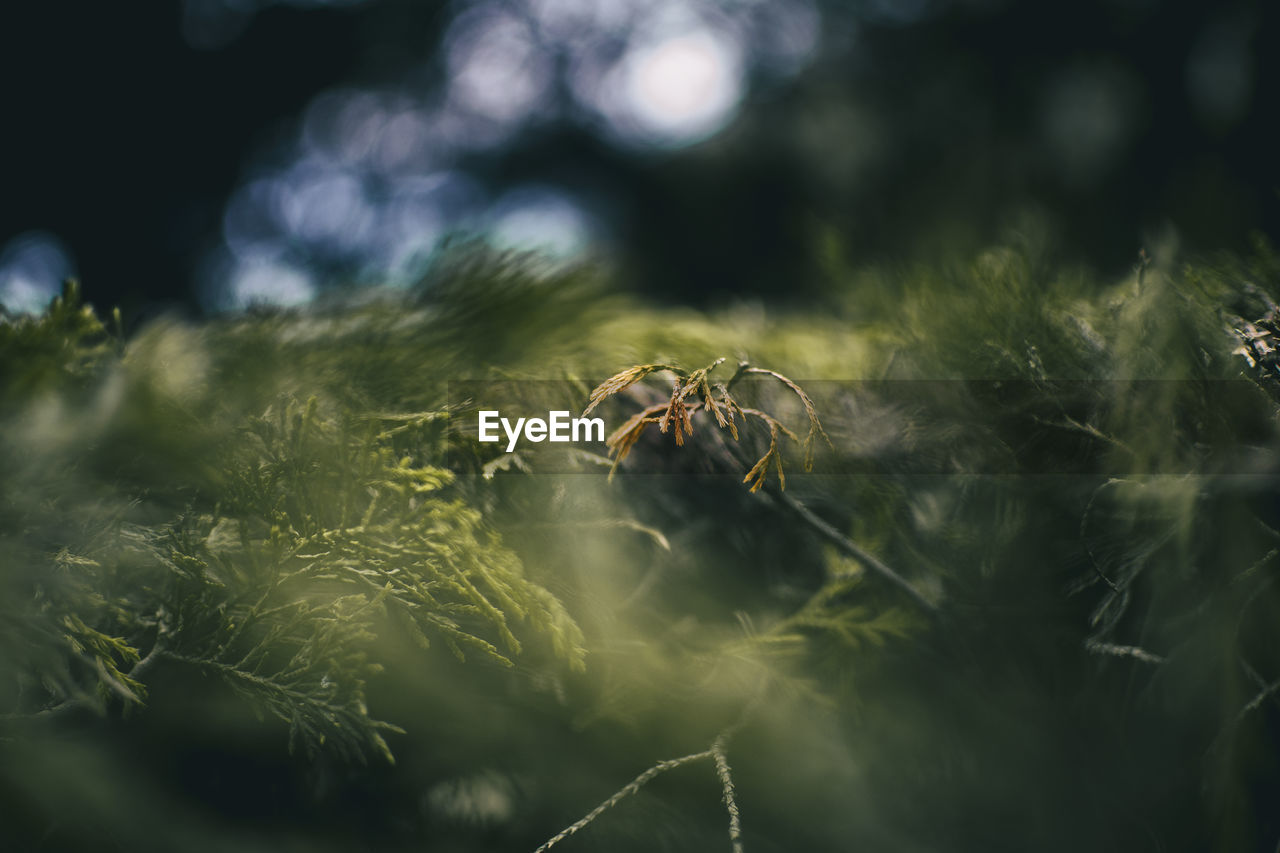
208, 154
196, 157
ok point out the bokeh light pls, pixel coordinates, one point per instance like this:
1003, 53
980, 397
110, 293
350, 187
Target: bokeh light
325, 208
496, 69
682, 88
259, 281
371, 179
32, 268
540, 218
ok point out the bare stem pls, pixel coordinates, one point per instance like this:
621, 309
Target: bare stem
622, 793
849, 547
730, 801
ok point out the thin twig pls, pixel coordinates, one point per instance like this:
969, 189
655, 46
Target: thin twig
1257, 679
717, 753
1070, 423
622, 793
1117, 650
1084, 539
835, 537
849, 547
1256, 703
730, 801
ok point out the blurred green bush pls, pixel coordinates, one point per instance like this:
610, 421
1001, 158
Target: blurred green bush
247, 562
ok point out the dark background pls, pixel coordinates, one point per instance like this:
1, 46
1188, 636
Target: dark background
126, 131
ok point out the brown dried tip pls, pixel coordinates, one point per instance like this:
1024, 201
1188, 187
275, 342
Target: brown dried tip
675, 414
625, 379
708, 400
678, 413
760, 471
815, 425
730, 407
622, 439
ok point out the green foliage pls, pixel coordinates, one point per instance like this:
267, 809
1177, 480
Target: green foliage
62, 345
1045, 582
322, 533
273, 563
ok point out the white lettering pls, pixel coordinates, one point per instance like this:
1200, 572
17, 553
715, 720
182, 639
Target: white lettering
512, 434
589, 424
559, 426
488, 423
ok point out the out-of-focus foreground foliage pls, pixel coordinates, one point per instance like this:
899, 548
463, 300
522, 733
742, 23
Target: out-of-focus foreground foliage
247, 563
